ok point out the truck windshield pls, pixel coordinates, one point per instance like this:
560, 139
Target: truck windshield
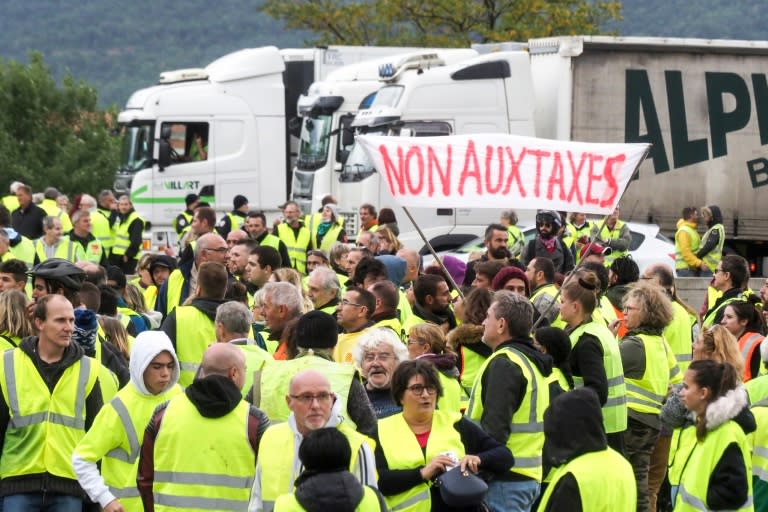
137, 148
388, 96
314, 142
358, 166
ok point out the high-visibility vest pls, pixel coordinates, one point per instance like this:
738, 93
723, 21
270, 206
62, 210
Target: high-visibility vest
53, 210
44, 427
607, 234
584, 231
196, 470
369, 503
102, 229
748, 343
452, 394
273, 242
757, 389
122, 235
330, 238
680, 262
235, 221
515, 242
713, 257
11, 202
66, 249
173, 291
150, 297
187, 217
343, 351
692, 494
297, 245
526, 438
195, 331
8, 342
276, 457
558, 376
276, 376
394, 324
255, 359
471, 363
647, 394
709, 319
679, 335
92, 251
681, 446
759, 444
402, 451
115, 439
605, 481
24, 251
615, 407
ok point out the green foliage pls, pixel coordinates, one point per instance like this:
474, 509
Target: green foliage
52, 135
441, 22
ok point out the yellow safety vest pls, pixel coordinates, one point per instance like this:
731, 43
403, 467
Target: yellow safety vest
195, 470
558, 376
297, 245
757, 389
709, 320
122, 235
173, 290
369, 503
66, 250
680, 262
194, 333
44, 427
188, 217
8, 342
615, 408
393, 324
451, 401
276, 376
92, 251
235, 221
713, 257
607, 235
276, 457
692, 494
605, 480
115, 439
681, 446
759, 443
273, 242
24, 251
526, 438
53, 210
255, 359
150, 297
402, 451
330, 238
342, 352
102, 229
647, 394
515, 242
679, 335
471, 363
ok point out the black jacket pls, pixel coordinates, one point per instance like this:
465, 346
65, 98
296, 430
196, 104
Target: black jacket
29, 221
339, 491
50, 373
586, 361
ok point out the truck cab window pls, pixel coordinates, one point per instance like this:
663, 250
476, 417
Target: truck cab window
188, 141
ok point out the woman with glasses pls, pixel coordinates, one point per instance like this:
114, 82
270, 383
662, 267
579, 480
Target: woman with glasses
377, 354
426, 342
649, 368
416, 446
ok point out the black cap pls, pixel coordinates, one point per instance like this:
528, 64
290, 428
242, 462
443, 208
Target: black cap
191, 198
239, 201
317, 330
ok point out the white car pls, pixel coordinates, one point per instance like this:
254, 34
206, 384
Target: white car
648, 246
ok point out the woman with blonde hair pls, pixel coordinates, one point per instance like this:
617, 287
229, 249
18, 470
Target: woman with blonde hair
426, 342
116, 334
14, 322
388, 242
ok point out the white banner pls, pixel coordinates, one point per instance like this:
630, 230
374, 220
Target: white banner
504, 171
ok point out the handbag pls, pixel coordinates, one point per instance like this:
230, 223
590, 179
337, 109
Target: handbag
461, 488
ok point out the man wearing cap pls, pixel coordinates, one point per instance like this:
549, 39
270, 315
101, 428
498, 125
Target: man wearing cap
316, 337
595, 253
183, 220
295, 235
547, 244
234, 219
159, 271
50, 397
615, 234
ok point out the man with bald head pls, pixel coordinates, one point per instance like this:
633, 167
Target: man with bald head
313, 405
209, 443
183, 280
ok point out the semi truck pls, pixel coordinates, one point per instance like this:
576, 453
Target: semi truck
242, 107
703, 104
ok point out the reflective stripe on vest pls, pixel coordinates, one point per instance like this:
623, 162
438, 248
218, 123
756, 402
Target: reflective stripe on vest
760, 441
130, 432
615, 408
122, 235
679, 336
607, 234
748, 343
526, 439
195, 331
297, 245
646, 394
65, 249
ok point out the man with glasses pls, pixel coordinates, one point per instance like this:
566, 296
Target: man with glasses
728, 285
313, 406
354, 316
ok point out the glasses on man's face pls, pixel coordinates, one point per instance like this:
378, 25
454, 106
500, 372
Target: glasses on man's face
218, 249
345, 302
307, 398
370, 357
419, 389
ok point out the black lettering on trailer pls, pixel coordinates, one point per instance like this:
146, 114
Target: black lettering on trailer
720, 121
639, 97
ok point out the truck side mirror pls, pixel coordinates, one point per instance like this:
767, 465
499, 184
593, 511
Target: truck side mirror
347, 137
343, 156
164, 154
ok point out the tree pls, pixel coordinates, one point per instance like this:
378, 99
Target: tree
53, 135
442, 23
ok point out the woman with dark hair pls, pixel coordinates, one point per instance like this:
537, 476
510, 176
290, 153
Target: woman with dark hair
426, 342
419, 444
326, 483
387, 219
595, 358
746, 323
649, 369
717, 474
557, 344
711, 248
622, 273
466, 340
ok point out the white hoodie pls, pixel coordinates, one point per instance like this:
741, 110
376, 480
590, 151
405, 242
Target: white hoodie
364, 470
146, 347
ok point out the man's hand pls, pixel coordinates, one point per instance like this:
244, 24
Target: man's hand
114, 506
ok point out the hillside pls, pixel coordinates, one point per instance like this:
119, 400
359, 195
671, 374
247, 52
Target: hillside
118, 47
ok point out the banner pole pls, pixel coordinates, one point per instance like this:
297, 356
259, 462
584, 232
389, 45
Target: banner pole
434, 254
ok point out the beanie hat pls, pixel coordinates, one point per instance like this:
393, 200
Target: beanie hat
334, 208
396, 267
456, 268
316, 329
191, 198
239, 201
508, 273
85, 331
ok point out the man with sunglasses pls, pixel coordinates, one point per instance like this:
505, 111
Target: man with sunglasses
313, 406
548, 244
